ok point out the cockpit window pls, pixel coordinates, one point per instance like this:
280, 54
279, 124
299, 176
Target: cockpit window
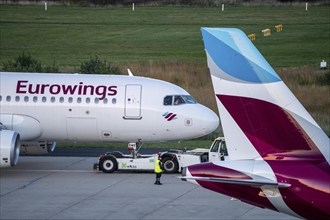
188, 99
179, 100
168, 100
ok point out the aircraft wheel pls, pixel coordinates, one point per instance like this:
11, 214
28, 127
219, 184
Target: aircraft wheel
108, 164
170, 165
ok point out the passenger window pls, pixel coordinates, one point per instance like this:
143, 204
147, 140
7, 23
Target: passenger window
88, 100
26, 98
17, 98
96, 100
70, 99
178, 100
52, 99
35, 98
78, 100
8, 98
44, 99
61, 99
168, 100
0, 98
105, 101
114, 101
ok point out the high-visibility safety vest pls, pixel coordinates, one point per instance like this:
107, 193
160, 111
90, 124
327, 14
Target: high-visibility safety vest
157, 166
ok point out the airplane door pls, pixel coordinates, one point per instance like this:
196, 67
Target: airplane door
133, 95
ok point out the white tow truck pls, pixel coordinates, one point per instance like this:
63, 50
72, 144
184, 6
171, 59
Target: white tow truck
173, 160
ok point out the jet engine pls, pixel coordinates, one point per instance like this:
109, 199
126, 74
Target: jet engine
37, 147
9, 148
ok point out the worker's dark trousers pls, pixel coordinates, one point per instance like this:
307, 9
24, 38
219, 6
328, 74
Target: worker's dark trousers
158, 175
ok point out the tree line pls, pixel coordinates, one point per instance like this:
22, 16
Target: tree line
27, 63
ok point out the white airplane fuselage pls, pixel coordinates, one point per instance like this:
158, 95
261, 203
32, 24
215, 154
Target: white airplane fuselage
94, 108
109, 108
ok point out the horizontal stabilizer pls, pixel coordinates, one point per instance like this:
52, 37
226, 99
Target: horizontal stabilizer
249, 182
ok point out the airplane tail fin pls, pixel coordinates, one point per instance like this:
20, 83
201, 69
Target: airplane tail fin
260, 116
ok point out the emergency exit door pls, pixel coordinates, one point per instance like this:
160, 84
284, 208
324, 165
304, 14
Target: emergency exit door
133, 94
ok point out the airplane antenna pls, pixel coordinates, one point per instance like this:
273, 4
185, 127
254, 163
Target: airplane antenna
129, 72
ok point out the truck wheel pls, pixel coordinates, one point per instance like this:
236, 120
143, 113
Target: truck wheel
108, 164
170, 165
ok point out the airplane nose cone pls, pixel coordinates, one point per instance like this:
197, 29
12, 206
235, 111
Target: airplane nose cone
210, 121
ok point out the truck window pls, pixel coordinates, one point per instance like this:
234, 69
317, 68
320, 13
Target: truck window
215, 146
223, 148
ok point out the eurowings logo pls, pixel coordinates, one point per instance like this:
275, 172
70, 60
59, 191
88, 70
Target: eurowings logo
23, 87
169, 116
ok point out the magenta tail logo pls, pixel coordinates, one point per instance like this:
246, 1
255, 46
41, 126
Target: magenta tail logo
169, 116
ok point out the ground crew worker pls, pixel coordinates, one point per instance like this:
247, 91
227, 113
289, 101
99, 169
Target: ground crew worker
158, 169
